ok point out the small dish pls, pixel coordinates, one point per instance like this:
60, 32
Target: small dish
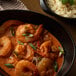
47, 9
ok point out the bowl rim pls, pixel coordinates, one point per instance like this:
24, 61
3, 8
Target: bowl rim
70, 36
48, 10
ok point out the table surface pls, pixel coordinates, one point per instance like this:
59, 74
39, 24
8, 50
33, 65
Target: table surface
34, 5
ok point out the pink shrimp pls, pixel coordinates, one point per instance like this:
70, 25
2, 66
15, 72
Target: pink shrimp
9, 23
26, 68
28, 28
5, 46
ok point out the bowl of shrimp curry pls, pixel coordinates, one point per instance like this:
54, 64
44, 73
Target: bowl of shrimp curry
32, 44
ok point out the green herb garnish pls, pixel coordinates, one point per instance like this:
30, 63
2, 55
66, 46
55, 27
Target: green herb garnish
32, 46
30, 35
25, 35
71, 2
64, 1
15, 53
61, 51
12, 31
20, 43
9, 65
55, 66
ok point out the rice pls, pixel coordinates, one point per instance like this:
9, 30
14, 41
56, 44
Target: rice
61, 9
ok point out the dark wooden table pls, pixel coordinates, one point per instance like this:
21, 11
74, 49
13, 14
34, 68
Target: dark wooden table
70, 26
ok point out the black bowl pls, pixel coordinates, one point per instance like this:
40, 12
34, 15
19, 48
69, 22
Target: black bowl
52, 26
48, 10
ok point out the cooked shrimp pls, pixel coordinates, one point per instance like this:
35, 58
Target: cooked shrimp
5, 46
45, 48
20, 48
26, 68
9, 23
30, 53
43, 65
48, 50
12, 60
25, 51
28, 28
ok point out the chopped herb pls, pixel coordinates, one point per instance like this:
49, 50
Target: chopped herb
9, 65
71, 2
12, 31
20, 43
61, 51
64, 1
32, 46
15, 53
10, 57
24, 34
55, 66
30, 35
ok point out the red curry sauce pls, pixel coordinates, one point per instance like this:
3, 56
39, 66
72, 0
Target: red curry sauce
33, 50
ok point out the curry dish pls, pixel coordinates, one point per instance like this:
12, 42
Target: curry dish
29, 50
